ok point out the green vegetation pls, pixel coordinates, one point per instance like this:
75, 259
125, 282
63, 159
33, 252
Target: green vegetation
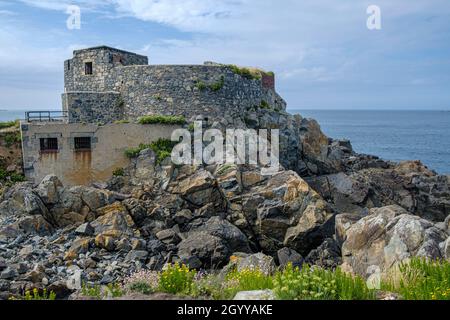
12, 138
9, 124
162, 148
216, 86
160, 119
319, 284
176, 279
141, 287
191, 127
264, 105
35, 295
93, 291
119, 172
200, 85
421, 279
10, 176
251, 74
113, 290
246, 280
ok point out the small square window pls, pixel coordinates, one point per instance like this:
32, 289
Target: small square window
49, 144
88, 68
82, 143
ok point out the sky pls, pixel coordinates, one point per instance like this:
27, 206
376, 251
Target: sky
322, 52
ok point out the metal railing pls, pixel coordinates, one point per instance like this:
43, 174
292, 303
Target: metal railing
46, 116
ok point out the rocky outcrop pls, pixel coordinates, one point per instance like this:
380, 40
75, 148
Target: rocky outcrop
331, 207
388, 236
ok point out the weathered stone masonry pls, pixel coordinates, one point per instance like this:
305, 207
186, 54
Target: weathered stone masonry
104, 85
157, 89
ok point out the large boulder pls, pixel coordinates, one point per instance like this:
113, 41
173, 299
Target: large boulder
258, 261
234, 238
285, 212
199, 189
201, 249
408, 184
48, 189
20, 200
387, 237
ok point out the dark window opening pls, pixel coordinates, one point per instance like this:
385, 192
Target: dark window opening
49, 144
82, 143
88, 68
68, 65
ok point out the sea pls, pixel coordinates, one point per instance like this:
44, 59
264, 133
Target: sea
391, 135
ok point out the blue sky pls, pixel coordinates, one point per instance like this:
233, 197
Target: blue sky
321, 50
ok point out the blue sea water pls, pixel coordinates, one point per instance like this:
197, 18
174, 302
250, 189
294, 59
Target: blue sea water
391, 135
9, 115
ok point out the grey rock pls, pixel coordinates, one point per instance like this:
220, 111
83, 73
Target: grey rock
210, 250
257, 261
168, 236
136, 255
8, 273
327, 255
85, 229
287, 255
255, 295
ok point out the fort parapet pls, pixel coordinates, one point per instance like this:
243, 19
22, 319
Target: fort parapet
103, 84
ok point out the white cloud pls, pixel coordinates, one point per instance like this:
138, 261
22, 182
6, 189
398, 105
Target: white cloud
319, 41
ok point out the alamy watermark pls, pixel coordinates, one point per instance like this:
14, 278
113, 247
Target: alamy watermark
73, 22
239, 146
374, 19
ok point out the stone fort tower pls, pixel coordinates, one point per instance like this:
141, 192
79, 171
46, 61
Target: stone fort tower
103, 85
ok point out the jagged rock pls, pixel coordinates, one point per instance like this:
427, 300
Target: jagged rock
286, 212
94, 198
144, 166
78, 246
136, 255
202, 247
343, 222
21, 200
199, 189
446, 249
255, 295
48, 189
408, 184
233, 237
287, 255
114, 218
35, 225
327, 255
258, 261
136, 211
85, 230
183, 216
168, 236
388, 236
8, 273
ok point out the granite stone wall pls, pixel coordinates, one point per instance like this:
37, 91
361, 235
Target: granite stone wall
104, 60
207, 90
93, 107
189, 90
